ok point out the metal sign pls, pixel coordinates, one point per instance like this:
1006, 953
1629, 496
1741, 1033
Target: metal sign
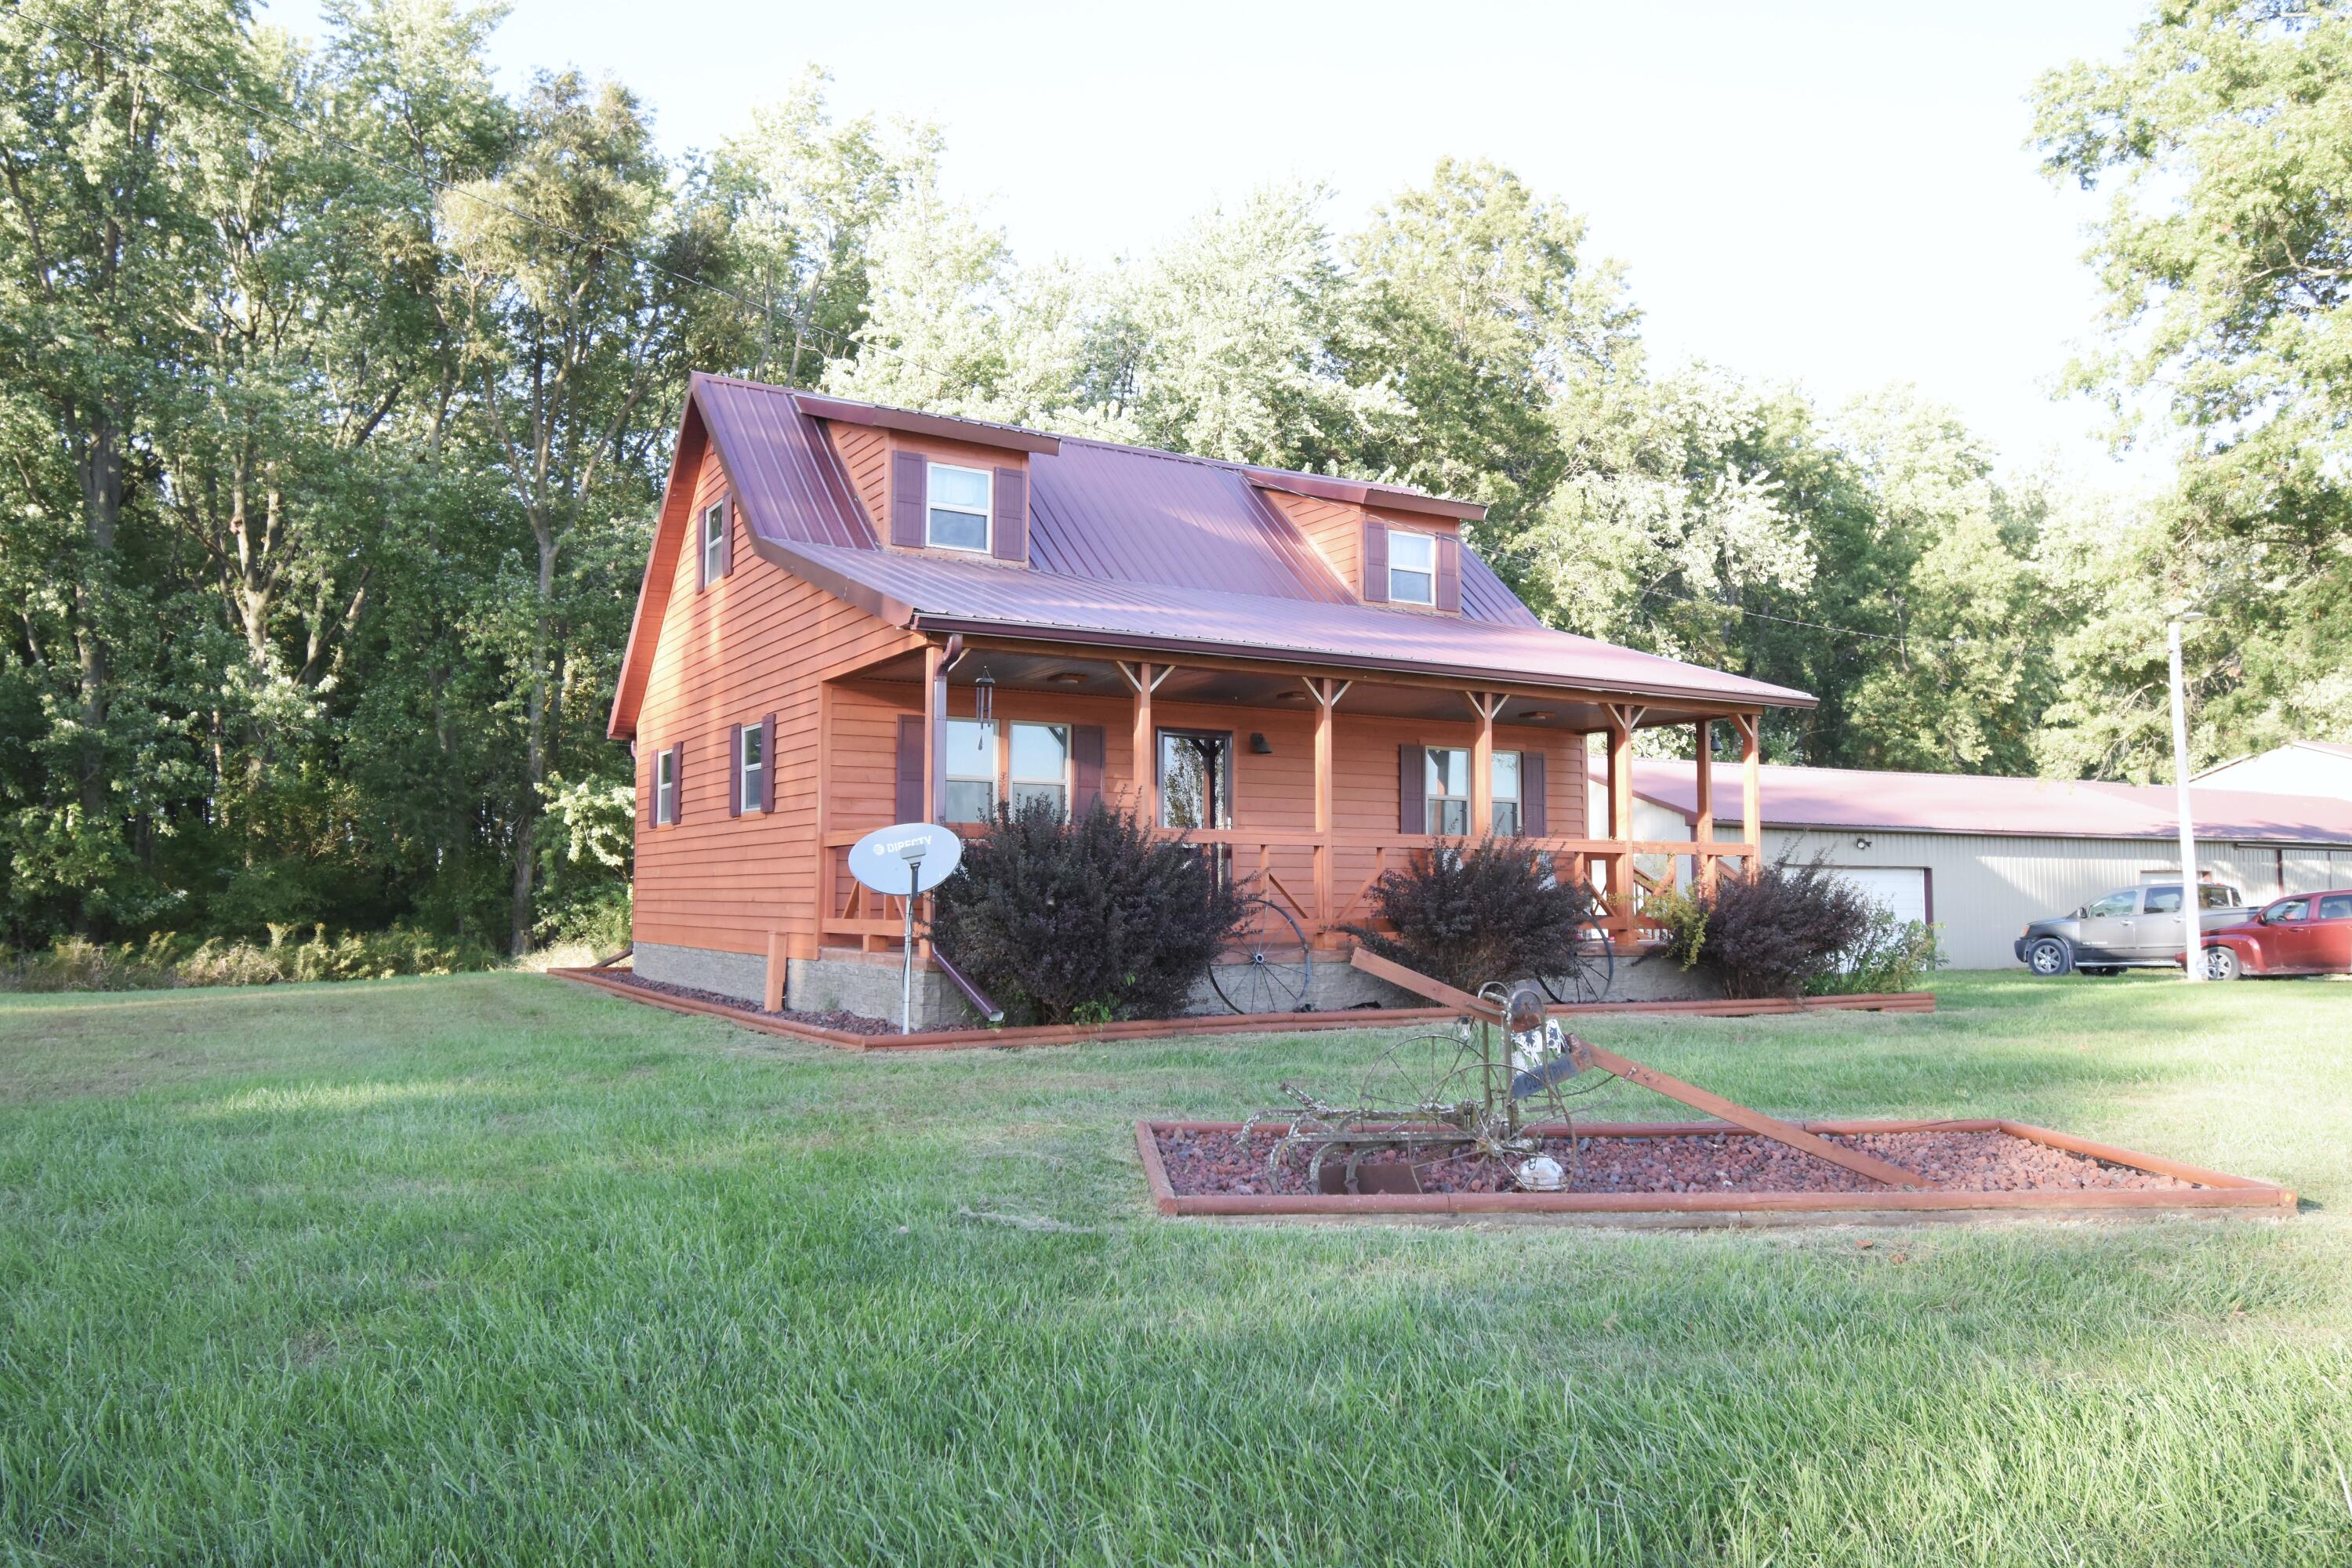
885, 858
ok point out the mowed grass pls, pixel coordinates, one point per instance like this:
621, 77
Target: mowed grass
492, 1268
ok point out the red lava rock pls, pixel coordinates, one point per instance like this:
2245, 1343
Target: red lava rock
1199, 1163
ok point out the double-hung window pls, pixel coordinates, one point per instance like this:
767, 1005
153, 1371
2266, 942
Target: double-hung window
714, 541
1449, 790
1508, 816
1413, 567
750, 763
958, 507
665, 787
971, 770
1041, 765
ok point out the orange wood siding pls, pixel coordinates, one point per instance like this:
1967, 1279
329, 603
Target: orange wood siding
1335, 529
757, 641
864, 456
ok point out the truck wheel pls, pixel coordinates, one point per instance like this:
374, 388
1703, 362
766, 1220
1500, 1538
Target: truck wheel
2221, 964
2050, 957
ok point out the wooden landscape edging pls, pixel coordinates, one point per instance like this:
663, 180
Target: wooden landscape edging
1220, 1024
2216, 1190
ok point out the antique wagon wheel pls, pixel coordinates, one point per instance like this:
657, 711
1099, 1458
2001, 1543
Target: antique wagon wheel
1279, 964
1592, 970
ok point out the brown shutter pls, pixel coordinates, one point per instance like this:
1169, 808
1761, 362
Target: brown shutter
727, 536
1086, 752
694, 525
1376, 566
910, 478
767, 762
1412, 789
1449, 573
677, 783
911, 768
1534, 821
735, 770
1010, 537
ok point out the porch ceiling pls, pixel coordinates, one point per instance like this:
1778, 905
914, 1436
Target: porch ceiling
1024, 670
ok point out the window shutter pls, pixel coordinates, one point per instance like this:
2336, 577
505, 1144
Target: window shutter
1086, 752
910, 478
1376, 566
727, 536
1449, 573
1534, 821
735, 770
677, 783
767, 762
1010, 536
911, 768
694, 527
1412, 789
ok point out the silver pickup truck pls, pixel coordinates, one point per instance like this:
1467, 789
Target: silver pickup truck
2131, 928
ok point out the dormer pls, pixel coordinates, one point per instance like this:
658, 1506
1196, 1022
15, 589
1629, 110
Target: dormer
956, 489
1389, 544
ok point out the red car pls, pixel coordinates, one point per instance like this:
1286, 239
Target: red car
2310, 933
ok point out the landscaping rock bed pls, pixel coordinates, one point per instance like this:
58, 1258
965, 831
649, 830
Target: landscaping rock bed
1202, 1163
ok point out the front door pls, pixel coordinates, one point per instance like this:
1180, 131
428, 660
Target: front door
1196, 778
2286, 935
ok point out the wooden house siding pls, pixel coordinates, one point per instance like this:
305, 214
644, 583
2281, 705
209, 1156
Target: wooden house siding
864, 456
756, 642
1335, 529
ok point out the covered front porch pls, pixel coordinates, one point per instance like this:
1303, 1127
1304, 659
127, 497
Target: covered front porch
1313, 779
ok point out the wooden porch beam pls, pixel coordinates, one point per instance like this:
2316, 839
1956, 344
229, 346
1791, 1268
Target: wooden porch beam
1703, 823
1752, 783
1623, 717
935, 732
1145, 678
1482, 762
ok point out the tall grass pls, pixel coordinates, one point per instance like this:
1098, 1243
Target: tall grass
167, 958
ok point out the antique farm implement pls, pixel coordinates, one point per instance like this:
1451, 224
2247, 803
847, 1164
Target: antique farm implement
1502, 1083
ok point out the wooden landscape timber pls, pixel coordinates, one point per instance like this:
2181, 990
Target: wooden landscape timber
1217, 1024
2215, 1192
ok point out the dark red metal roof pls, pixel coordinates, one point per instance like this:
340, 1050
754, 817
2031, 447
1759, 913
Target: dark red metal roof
1151, 549
1972, 803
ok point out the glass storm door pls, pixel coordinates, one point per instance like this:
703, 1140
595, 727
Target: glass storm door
1196, 778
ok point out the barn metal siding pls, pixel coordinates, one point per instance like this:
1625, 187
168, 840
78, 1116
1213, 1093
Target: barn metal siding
1986, 886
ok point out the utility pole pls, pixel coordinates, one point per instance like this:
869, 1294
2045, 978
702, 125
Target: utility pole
2191, 907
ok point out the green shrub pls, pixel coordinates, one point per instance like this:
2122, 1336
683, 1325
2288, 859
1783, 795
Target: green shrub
1064, 921
1684, 920
1892, 955
167, 958
1472, 913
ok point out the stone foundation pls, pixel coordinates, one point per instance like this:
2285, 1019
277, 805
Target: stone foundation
847, 982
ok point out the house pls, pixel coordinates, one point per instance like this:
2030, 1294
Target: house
1313, 675
1981, 856
2321, 768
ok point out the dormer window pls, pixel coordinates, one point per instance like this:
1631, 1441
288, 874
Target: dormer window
714, 542
1412, 568
959, 499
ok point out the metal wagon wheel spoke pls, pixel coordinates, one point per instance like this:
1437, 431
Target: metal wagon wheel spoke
1279, 964
1592, 970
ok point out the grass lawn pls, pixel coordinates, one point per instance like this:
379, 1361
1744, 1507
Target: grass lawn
493, 1269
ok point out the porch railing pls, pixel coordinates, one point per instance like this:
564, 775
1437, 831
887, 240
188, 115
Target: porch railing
1325, 883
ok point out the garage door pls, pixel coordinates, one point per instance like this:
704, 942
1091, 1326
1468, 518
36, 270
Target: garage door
1901, 889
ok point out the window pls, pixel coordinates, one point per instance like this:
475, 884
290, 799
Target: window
2211, 895
959, 502
1449, 790
714, 542
665, 787
1041, 765
1412, 568
2164, 900
2335, 907
2287, 909
2116, 904
1196, 779
749, 763
1508, 815
971, 770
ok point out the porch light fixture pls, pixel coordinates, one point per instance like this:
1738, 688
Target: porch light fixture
1540, 713
1260, 746
983, 696
1290, 697
1067, 678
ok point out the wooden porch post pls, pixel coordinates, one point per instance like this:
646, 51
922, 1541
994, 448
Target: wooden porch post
1482, 763
1751, 786
825, 884
1702, 827
1145, 678
1327, 694
935, 732
1623, 717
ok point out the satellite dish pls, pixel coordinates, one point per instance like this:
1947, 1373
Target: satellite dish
886, 858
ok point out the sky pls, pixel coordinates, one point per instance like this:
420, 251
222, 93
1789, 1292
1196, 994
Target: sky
1831, 194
